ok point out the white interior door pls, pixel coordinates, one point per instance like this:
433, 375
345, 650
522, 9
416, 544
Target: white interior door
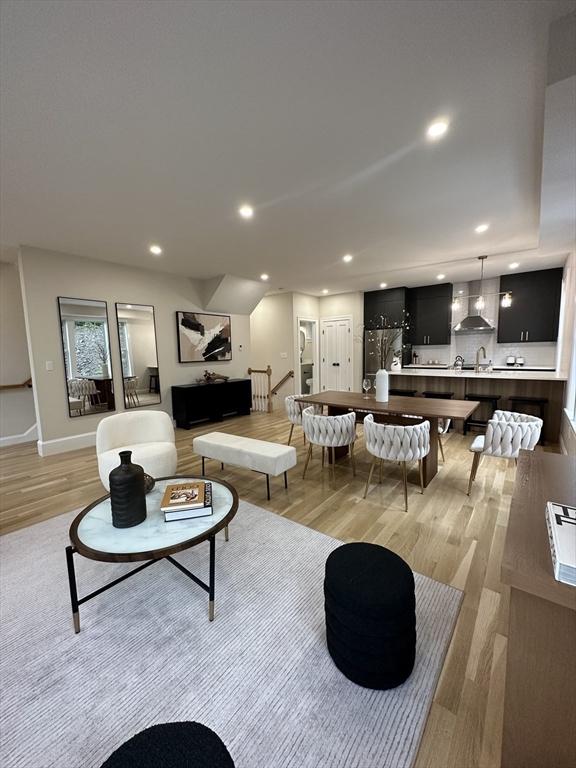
336, 353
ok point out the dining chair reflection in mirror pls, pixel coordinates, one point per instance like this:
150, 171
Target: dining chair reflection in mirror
139, 354
86, 349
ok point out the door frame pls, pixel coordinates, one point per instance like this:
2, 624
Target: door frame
315, 356
331, 319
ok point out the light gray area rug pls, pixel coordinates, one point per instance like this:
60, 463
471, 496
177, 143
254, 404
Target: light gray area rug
259, 675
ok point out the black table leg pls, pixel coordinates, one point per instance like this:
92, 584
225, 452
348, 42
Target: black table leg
268, 487
73, 589
211, 578
203, 470
285, 479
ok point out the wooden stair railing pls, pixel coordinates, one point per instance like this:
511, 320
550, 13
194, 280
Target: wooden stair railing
261, 389
27, 383
289, 375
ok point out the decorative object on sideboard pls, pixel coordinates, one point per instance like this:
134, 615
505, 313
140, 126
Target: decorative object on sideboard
203, 337
127, 493
211, 376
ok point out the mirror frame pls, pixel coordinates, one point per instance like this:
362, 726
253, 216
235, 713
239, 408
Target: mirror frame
67, 395
123, 304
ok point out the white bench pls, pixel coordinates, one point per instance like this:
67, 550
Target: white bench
258, 455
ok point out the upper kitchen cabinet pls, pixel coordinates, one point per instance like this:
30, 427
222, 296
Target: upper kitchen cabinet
535, 308
384, 308
430, 310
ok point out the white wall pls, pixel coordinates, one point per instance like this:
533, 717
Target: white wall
45, 275
17, 416
272, 338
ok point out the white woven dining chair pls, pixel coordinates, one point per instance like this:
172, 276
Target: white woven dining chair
443, 427
396, 442
506, 433
329, 432
294, 413
131, 391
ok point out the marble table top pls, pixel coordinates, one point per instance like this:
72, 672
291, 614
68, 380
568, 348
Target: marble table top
95, 529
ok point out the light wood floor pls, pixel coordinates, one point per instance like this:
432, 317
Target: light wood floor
446, 535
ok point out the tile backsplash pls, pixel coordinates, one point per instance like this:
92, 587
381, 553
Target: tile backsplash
543, 354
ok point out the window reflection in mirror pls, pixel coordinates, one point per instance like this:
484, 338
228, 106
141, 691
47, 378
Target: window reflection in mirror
137, 336
86, 348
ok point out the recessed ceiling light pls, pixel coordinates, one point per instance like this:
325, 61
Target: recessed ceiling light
347, 258
264, 276
514, 265
481, 228
156, 250
246, 211
437, 129
440, 277
383, 285
325, 290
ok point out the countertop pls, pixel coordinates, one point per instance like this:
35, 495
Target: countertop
512, 374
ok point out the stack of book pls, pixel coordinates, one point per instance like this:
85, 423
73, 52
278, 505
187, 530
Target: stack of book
185, 501
561, 521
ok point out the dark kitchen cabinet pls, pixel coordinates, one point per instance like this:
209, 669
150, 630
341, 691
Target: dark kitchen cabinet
535, 309
430, 310
384, 308
192, 403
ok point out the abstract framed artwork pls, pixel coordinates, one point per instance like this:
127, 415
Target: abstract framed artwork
203, 338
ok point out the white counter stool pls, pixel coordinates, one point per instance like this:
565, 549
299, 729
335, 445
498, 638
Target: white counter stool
395, 442
329, 432
506, 433
294, 413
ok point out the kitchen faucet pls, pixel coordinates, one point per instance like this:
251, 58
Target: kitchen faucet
477, 366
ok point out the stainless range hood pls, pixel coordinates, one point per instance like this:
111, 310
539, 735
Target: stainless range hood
473, 322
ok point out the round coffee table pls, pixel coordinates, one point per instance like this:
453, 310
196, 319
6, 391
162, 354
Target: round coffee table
92, 535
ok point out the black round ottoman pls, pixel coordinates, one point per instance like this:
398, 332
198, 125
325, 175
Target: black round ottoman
172, 745
370, 615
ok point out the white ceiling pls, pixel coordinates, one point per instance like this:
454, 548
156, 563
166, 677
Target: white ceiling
128, 123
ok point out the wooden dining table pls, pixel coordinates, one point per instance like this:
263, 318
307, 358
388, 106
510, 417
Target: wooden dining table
394, 411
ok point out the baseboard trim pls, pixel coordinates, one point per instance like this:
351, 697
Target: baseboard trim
26, 437
64, 444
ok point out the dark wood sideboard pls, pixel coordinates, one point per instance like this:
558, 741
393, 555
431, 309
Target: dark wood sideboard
193, 403
539, 713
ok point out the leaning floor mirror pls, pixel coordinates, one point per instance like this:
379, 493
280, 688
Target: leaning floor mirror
86, 349
138, 350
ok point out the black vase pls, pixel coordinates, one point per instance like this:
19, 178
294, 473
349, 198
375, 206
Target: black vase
127, 493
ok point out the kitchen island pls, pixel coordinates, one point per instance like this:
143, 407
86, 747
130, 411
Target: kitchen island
505, 383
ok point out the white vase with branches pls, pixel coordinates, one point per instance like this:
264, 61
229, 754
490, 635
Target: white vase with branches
386, 336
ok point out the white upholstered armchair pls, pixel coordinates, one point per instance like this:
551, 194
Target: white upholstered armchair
506, 433
329, 432
148, 434
396, 442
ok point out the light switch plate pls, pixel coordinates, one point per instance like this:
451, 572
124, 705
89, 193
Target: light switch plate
283, 355
49, 365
